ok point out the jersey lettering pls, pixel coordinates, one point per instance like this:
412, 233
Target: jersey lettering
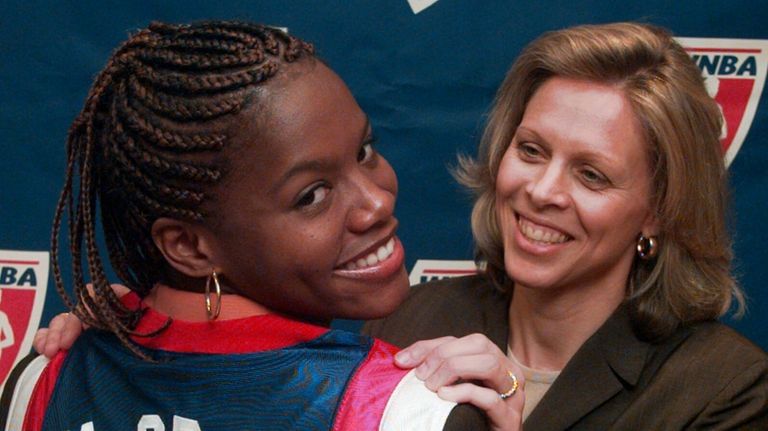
155, 423
150, 423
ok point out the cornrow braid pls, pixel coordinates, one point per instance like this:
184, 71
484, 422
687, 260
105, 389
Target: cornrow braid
197, 45
178, 81
146, 145
181, 108
165, 138
235, 34
137, 178
171, 59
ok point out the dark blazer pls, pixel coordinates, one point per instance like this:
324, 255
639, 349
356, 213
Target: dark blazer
705, 376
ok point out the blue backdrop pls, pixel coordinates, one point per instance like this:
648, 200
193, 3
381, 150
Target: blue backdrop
426, 79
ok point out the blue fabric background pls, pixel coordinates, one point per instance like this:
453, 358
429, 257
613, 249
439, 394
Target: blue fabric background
426, 80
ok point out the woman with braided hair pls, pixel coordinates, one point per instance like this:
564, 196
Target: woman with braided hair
241, 201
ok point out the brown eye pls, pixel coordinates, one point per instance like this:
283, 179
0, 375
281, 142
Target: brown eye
528, 151
591, 176
366, 152
313, 196
593, 179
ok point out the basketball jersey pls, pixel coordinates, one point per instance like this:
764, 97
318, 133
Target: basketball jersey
258, 373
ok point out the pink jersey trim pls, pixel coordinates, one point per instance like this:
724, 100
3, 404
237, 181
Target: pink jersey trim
369, 390
38, 403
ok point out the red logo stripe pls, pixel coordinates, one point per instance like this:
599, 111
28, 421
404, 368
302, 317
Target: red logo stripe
736, 50
450, 271
21, 262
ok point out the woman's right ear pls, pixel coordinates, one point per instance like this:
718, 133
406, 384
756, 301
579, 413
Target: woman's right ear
186, 247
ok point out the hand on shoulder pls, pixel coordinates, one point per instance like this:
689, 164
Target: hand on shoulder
64, 329
471, 369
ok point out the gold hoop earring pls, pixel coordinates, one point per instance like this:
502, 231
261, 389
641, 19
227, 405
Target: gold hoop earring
647, 247
210, 311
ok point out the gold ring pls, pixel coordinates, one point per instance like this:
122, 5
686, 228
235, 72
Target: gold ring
515, 385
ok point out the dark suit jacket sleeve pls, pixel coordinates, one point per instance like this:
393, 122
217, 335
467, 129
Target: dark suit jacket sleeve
466, 417
742, 404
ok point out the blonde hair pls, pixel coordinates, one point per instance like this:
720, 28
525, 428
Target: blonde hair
690, 280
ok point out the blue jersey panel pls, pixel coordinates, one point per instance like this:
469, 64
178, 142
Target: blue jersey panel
294, 388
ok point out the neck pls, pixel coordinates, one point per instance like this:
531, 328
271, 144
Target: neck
190, 306
548, 327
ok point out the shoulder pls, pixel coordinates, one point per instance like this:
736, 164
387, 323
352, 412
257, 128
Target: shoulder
413, 406
717, 354
723, 345
431, 311
725, 377
382, 396
724, 357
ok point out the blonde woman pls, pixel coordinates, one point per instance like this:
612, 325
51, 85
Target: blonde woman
601, 216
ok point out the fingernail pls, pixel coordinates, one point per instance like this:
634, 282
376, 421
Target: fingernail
403, 358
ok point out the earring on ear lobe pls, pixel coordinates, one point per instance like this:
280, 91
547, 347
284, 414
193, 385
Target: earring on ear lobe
210, 311
647, 247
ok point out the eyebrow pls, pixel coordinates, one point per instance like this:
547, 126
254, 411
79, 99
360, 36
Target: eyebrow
315, 164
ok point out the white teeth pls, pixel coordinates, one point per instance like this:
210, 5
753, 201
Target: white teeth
538, 235
381, 254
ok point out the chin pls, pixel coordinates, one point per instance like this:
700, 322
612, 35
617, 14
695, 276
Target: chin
381, 305
530, 279
379, 312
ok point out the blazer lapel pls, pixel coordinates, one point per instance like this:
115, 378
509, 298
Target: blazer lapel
612, 358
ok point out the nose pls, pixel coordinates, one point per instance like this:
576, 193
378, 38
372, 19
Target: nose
548, 188
372, 203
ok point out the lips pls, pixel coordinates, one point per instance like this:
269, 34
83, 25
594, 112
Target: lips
381, 254
539, 234
381, 261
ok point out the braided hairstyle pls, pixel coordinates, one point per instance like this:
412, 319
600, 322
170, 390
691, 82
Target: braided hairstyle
145, 146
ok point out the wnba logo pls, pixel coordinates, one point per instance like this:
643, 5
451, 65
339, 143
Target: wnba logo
23, 283
426, 270
734, 72
419, 5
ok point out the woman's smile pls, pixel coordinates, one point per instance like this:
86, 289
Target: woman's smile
540, 234
381, 262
